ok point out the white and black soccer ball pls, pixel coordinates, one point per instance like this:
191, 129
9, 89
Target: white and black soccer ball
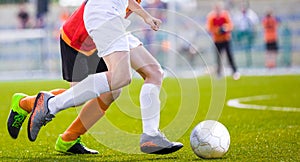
210, 139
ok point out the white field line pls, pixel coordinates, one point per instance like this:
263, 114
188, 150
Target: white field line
237, 103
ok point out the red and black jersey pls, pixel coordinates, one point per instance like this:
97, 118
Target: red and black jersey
74, 33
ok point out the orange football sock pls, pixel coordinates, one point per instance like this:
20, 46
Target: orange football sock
27, 103
57, 91
88, 116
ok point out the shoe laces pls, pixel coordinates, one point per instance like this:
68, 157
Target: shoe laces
163, 136
18, 120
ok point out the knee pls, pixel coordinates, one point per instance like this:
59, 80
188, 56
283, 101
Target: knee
153, 74
116, 93
106, 99
118, 80
157, 73
125, 80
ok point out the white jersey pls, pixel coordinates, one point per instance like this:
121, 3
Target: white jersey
104, 21
98, 12
246, 21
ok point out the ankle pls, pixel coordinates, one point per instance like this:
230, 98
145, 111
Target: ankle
26, 104
68, 136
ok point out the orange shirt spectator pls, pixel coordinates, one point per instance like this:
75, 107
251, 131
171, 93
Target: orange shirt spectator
219, 25
270, 24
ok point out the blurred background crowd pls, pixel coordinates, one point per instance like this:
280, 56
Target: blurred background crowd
29, 32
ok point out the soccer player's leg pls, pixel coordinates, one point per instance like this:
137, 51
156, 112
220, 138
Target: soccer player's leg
92, 111
46, 104
76, 69
152, 140
70, 141
71, 61
21, 106
113, 62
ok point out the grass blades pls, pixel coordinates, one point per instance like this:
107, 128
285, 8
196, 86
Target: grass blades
256, 135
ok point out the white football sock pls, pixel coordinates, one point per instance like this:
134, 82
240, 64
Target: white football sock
150, 108
89, 88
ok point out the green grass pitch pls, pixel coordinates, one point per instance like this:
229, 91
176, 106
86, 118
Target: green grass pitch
256, 135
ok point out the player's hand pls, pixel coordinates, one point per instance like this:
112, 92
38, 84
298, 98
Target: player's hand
153, 22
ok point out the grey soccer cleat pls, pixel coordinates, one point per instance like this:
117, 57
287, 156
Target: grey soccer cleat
40, 115
158, 144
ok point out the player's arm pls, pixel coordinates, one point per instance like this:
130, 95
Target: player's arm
138, 9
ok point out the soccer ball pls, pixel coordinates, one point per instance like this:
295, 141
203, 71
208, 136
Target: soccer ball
210, 139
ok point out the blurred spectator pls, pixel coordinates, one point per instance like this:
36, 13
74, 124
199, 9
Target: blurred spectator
155, 6
270, 24
219, 24
286, 44
23, 17
246, 22
41, 12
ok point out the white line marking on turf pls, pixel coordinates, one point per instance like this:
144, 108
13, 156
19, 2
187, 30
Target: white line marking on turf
236, 103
